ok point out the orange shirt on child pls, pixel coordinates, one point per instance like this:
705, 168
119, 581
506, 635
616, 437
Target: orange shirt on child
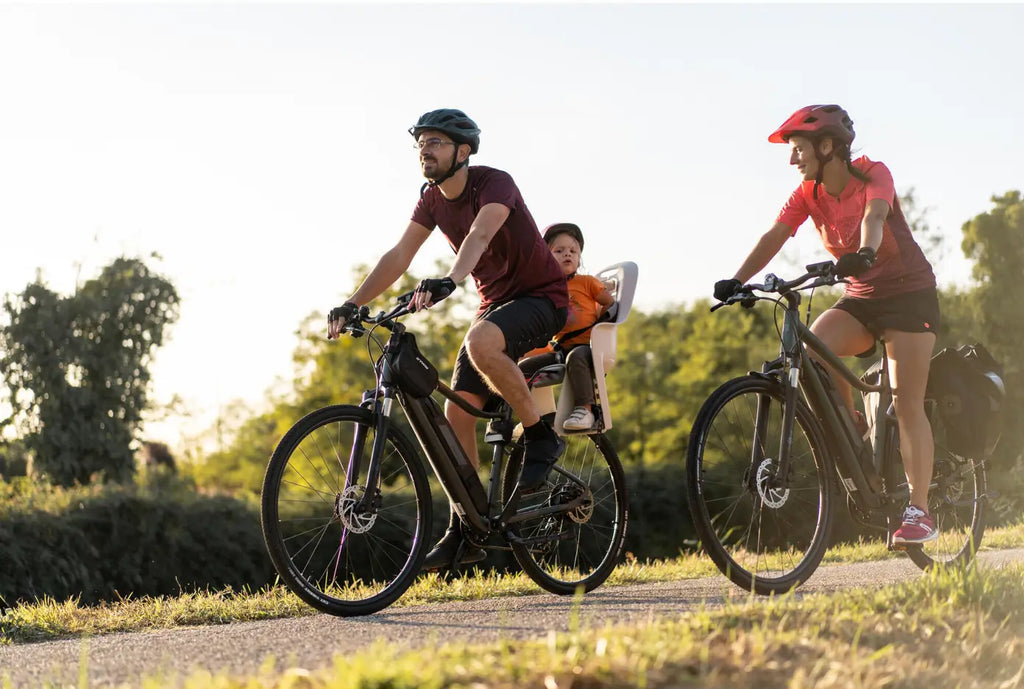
583, 310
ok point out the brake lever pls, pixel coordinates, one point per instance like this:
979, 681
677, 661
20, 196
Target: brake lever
745, 299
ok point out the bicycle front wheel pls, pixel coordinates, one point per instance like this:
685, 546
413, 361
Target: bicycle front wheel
766, 532
342, 545
956, 503
564, 551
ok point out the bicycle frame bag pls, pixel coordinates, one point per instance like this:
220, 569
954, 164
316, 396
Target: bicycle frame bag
967, 386
414, 374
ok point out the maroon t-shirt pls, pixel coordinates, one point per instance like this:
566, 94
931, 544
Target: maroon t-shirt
517, 262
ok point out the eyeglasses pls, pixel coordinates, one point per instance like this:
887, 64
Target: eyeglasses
432, 144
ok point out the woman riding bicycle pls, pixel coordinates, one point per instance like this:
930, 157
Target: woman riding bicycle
891, 291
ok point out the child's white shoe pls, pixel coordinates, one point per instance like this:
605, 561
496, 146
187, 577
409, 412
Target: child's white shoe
581, 419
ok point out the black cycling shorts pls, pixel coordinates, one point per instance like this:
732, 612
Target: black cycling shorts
526, 323
913, 312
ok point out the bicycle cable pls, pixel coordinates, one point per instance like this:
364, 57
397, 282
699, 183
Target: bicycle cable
775, 315
372, 339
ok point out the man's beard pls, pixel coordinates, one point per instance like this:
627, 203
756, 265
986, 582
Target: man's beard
432, 168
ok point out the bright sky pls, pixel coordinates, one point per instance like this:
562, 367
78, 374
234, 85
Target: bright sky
261, 149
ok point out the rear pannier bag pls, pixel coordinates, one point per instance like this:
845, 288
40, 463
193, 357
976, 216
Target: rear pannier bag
414, 374
967, 386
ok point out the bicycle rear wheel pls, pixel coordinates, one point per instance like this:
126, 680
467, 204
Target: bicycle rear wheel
579, 548
765, 533
337, 552
956, 503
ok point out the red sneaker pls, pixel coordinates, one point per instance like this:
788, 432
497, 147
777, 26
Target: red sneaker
917, 527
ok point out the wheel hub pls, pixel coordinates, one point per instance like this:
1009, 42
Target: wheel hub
345, 510
566, 493
772, 496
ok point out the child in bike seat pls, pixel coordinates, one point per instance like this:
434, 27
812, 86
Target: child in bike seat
589, 299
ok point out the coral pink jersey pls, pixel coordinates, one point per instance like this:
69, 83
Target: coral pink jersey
901, 265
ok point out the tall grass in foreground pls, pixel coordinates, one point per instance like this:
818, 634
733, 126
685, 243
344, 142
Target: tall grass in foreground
49, 619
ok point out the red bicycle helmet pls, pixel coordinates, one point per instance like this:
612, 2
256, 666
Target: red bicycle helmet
816, 121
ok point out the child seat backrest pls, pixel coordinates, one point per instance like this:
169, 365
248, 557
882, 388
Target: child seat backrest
620, 279
621, 282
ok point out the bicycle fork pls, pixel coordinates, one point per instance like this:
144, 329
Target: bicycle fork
789, 360
779, 478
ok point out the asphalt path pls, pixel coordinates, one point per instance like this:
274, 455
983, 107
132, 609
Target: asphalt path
311, 642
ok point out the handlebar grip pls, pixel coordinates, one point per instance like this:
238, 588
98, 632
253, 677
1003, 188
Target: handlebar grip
744, 298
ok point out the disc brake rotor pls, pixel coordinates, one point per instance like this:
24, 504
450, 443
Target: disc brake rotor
345, 510
771, 497
566, 493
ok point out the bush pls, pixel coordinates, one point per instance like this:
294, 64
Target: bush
99, 544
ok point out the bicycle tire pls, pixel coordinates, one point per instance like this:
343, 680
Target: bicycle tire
579, 549
335, 558
764, 539
956, 503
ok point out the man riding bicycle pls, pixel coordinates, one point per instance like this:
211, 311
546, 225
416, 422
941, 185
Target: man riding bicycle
524, 299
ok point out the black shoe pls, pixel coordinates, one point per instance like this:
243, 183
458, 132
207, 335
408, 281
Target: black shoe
539, 457
443, 554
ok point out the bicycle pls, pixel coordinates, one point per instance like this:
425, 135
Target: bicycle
770, 451
346, 505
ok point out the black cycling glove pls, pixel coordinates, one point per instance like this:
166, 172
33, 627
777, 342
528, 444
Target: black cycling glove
437, 288
726, 288
855, 263
345, 313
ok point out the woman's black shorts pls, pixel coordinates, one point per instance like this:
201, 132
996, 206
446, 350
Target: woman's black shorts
913, 312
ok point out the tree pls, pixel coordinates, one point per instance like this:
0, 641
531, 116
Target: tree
77, 368
993, 241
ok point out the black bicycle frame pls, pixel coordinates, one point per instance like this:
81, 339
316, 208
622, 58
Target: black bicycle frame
457, 475
857, 464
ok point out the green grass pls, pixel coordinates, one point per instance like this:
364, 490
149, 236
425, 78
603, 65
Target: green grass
49, 619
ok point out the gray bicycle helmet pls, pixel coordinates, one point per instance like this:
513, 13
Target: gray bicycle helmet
454, 123
568, 228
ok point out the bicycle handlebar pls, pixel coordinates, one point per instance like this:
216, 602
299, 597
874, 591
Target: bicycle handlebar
823, 274
357, 326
